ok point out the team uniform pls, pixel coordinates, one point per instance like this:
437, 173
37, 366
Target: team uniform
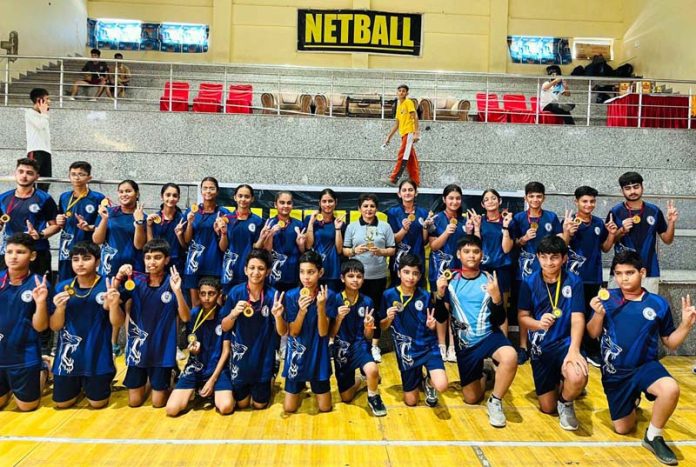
254, 342
445, 257
83, 354
241, 236
548, 224
325, 245
71, 207
494, 259
412, 242
351, 350
307, 355
204, 256
415, 344
476, 337
166, 231
199, 368
285, 254
152, 332
630, 343
20, 350
585, 254
548, 348
118, 247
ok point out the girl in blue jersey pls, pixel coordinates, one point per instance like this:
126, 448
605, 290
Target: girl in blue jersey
168, 223
410, 224
325, 236
238, 235
83, 361
448, 227
202, 237
207, 369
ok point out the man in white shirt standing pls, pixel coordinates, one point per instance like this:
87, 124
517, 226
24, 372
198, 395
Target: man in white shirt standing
39, 134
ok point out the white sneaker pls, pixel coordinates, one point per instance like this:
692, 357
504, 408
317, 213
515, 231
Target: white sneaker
180, 355
451, 354
496, 416
72, 98
376, 354
443, 352
566, 416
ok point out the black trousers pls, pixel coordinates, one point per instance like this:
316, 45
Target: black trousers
45, 166
558, 110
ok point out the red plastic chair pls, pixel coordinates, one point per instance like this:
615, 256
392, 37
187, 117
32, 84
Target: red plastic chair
516, 107
545, 118
209, 98
239, 99
176, 92
490, 102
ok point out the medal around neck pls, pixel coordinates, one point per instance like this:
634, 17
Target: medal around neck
70, 290
557, 312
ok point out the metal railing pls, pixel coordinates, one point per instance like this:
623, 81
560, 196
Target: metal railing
330, 93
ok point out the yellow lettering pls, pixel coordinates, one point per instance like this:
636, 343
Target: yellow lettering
312, 28
407, 39
361, 35
345, 20
394, 31
329, 29
380, 35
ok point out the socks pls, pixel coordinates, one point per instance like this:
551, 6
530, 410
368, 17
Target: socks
493, 396
653, 431
371, 393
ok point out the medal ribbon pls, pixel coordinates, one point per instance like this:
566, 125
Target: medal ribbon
72, 286
630, 211
199, 321
249, 297
401, 297
554, 303
72, 203
352, 304
529, 218
6, 279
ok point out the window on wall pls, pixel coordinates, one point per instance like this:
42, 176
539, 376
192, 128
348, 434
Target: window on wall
539, 50
122, 34
584, 48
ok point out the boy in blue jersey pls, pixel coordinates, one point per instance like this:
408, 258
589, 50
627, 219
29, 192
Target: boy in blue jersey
85, 309
475, 304
308, 310
23, 315
207, 369
253, 313
527, 229
352, 331
629, 322
154, 300
641, 223
551, 306
407, 310
78, 211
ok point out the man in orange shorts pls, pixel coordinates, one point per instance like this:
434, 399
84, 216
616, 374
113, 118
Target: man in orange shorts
407, 124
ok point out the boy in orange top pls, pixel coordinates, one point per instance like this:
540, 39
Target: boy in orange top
407, 124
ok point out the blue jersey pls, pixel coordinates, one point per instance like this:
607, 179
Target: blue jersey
548, 224
445, 257
413, 340
534, 297
204, 256
286, 254
412, 242
585, 251
325, 245
254, 339
470, 306
210, 336
84, 343
643, 236
152, 324
165, 231
88, 209
39, 209
19, 341
307, 355
492, 239
352, 329
241, 236
632, 329
118, 247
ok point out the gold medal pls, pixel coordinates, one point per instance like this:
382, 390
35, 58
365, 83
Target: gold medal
305, 292
505, 212
603, 294
577, 220
105, 202
281, 224
70, 290
454, 221
398, 305
248, 311
5, 218
447, 274
636, 219
191, 338
557, 312
156, 218
346, 302
225, 219
411, 217
129, 285
194, 208
68, 214
534, 225
319, 218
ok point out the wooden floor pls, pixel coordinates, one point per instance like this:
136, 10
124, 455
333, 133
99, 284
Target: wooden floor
451, 434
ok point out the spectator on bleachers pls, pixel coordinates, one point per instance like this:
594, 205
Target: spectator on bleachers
95, 75
38, 133
551, 91
117, 84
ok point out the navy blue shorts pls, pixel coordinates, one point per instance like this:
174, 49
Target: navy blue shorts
412, 378
97, 388
260, 392
546, 369
190, 281
194, 381
25, 383
160, 378
623, 391
470, 360
355, 359
318, 387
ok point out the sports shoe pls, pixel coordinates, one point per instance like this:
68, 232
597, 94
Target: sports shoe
376, 405
389, 181
566, 416
496, 416
522, 356
430, 393
72, 98
180, 355
443, 351
376, 354
658, 447
594, 360
451, 354
116, 350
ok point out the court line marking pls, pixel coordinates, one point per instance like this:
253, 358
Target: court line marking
335, 442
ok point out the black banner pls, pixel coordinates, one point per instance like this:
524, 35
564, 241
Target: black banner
359, 31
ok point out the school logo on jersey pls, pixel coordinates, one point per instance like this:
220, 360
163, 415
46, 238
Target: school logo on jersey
26, 296
252, 228
548, 227
166, 297
100, 297
418, 305
265, 311
218, 330
421, 220
597, 230
68, 344
651, 220
2, 336
649, 314
361, 311
136, 338
89, 208
33, 207
567, 291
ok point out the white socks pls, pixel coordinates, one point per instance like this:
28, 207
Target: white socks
653, 431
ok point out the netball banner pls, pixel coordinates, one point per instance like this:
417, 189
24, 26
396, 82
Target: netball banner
359, 31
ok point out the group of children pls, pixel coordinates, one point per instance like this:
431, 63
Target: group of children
256, 287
